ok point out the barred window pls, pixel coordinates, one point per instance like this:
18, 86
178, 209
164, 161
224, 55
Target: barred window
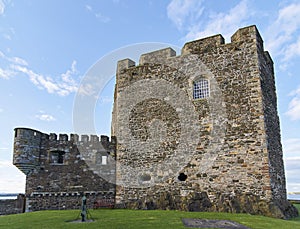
201, 89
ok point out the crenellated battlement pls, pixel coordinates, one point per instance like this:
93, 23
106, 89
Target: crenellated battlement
30, 134
33, 148
247, 35
157, 56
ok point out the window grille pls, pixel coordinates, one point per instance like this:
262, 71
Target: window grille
201, 89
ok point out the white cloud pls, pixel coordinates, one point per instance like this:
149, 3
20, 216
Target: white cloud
102, 17
87, 89
1, 110
281, 35
7, 36
291, 147
88, 8
63, 86
185, 14
294, 106
224, 23
10, 71
182, 12
105, 100
13, 60
98, 15
45, 117
2, 7
292, 50
6, 73
18, 60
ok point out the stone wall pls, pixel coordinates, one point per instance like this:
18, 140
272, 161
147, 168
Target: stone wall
12, 206
67, 200
220, 153
64, 169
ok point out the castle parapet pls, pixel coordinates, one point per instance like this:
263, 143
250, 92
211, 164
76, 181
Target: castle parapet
124, 64
248, 34
63, 137
74, 137
157, 56
84, 138
53, 137
94, 138
202, 45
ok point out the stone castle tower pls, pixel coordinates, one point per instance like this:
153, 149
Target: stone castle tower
200, 131
197, 132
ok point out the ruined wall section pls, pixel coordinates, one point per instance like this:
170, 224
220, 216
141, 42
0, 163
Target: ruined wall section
64, 169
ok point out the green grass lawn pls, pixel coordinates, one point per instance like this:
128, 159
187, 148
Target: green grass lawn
117, 218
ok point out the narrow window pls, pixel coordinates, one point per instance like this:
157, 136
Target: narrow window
57, 157
201, 89
104, 160
60, 159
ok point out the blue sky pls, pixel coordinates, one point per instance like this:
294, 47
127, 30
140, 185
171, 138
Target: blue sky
47, 47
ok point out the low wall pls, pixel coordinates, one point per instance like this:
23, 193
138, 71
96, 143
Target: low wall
12, 206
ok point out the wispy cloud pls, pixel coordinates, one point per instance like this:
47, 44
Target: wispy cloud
10, 71
45, 117
7, 73
87, 89
7, 36
14, 60
2, 7
88, 8
105, 100
185, 14
294, 106
62, 86
9, 33
98, 15
291, 147
282, 39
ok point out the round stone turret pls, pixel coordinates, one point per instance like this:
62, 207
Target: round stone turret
27, 144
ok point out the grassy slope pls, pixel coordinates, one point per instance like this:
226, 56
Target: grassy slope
135, 219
